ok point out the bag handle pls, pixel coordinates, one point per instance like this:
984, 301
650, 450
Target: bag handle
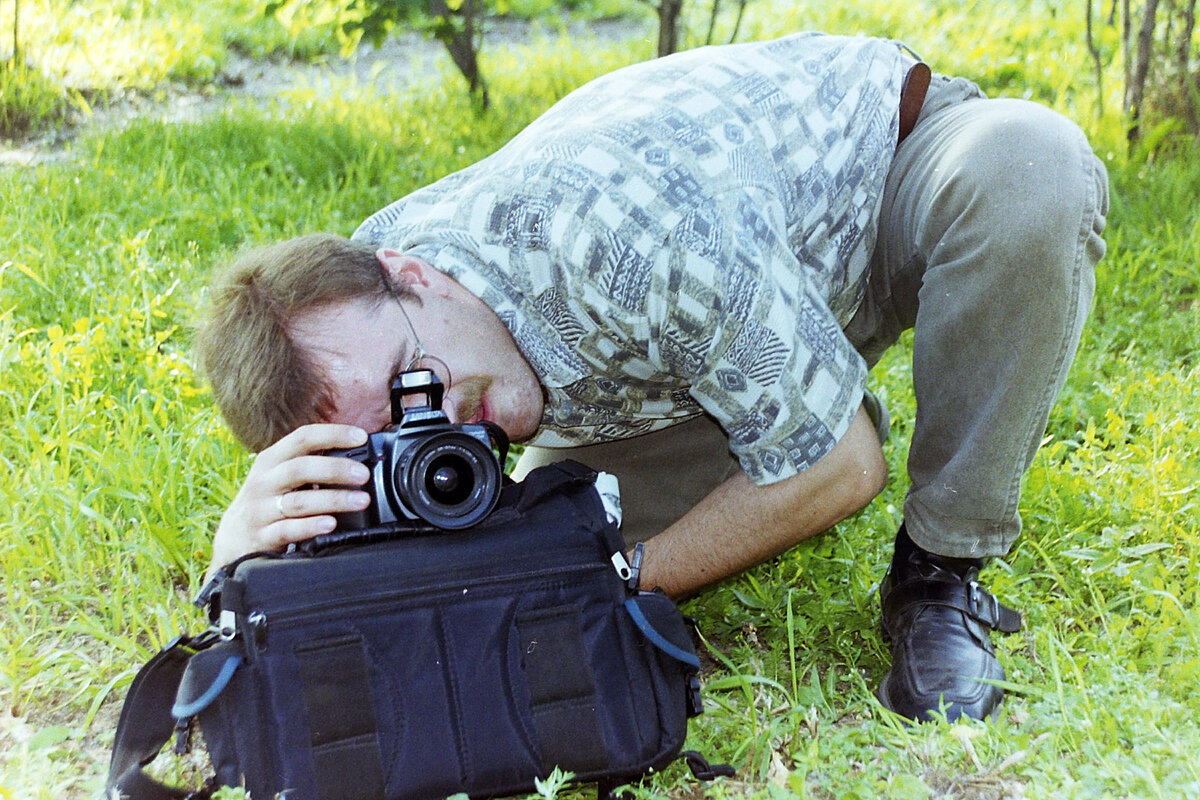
146, 724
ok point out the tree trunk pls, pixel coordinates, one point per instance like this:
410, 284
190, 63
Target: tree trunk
462, 47
1141, 70
712, 21
1183, 63
1169, 34
16, 50
668, 26
1183, 49
737, 25
1099, 66
1126, 52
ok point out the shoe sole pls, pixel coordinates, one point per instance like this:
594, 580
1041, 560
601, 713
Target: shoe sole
953, 711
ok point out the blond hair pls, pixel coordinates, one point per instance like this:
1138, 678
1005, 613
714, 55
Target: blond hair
264, 384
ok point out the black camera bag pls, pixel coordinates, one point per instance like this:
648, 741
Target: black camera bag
469, 662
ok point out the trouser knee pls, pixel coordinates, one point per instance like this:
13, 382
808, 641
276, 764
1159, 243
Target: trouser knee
1025, 189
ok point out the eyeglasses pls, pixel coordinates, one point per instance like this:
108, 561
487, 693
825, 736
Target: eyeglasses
421, 358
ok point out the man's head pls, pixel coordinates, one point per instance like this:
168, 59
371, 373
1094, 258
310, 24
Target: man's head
265, 384
315, 328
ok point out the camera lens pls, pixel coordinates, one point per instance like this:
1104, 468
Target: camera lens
450, 480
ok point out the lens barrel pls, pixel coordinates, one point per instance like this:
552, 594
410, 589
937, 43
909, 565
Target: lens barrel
450, 480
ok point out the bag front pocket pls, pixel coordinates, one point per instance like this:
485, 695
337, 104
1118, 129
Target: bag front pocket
454, 707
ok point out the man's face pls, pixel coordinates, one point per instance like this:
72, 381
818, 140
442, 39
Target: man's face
359, 345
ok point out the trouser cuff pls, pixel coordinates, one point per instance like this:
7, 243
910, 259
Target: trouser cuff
958, 538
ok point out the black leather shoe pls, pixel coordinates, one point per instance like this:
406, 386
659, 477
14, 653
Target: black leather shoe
938, 619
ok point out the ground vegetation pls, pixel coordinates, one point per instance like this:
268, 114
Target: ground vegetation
116, 465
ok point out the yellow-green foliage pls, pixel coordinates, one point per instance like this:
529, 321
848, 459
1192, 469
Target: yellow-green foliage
73, 53
102, 44
116, 466
27, 99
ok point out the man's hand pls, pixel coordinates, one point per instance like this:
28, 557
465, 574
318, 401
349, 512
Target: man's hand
277, 504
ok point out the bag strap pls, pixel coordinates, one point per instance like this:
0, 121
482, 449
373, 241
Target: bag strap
657, 637
146, 724
701, 768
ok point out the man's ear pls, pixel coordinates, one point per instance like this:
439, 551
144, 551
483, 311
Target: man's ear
417, 274
404, 268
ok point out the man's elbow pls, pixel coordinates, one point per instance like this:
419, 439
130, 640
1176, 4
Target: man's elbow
861, 471
866, 478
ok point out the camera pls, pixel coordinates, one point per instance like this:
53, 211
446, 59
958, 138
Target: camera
426, 472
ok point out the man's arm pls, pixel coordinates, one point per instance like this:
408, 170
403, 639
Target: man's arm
740, 524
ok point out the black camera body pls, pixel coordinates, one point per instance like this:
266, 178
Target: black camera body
426, 472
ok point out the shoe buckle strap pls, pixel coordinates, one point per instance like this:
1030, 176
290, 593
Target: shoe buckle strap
983, 606
970, 598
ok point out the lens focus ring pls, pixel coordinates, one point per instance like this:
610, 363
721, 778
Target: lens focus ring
450, 480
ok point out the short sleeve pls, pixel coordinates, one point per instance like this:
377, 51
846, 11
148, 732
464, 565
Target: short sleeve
785, 386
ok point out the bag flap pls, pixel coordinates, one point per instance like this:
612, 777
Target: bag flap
548, 481
553, 520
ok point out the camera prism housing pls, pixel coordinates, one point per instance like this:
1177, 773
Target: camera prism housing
425, 470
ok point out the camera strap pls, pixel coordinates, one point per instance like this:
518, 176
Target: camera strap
146, 724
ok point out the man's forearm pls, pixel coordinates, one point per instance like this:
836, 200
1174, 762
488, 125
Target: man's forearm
739, 524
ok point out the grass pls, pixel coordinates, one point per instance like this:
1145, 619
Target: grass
77, 55
30, 100
99, 44
116, 466
74, 56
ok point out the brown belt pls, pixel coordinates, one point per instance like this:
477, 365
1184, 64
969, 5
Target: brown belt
912, 96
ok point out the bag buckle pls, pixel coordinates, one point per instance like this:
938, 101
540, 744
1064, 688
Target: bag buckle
695, 702
183, 736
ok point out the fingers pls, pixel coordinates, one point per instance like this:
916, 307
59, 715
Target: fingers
306, 470
286, 503
308, 513
310, 439
292, 492
247, 528
279, 535
294, 462
314, 502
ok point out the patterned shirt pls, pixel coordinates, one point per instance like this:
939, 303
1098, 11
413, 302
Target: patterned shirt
683, 235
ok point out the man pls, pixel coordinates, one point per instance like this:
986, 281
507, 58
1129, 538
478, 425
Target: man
681, 274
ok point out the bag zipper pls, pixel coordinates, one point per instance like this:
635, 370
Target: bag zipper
257, 620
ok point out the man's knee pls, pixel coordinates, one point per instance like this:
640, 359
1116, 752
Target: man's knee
1035, 168
1031, 195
